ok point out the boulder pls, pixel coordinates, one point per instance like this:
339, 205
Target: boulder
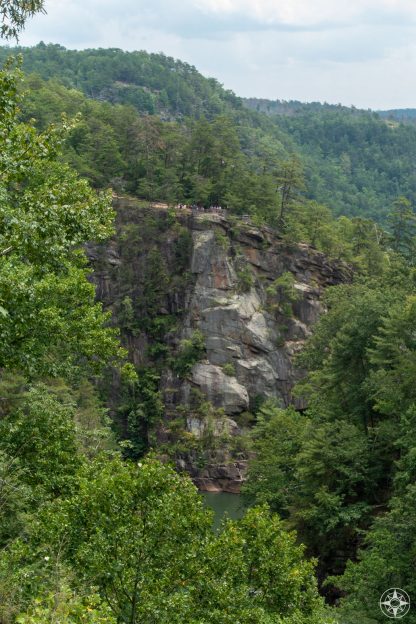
222, 390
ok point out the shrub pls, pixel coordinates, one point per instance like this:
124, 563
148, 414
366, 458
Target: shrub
245, 279
229, 369
190, 351
283, 288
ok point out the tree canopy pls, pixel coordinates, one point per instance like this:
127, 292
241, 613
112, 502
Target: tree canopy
49, 321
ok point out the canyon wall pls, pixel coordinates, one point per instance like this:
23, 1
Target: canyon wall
243, 293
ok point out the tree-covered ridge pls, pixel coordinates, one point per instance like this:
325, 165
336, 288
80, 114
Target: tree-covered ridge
291, 107
403, 115
295, 107
354, 161
343, 472
206, 161
152, 83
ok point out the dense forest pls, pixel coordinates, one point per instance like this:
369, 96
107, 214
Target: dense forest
94, 527
354, 161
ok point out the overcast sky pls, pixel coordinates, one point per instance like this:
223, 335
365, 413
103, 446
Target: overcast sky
360, 52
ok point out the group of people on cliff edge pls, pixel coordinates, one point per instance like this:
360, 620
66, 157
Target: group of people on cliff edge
198, 208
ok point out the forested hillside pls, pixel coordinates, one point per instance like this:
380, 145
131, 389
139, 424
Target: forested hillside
404, 115
290, 107
354, 161
152, 83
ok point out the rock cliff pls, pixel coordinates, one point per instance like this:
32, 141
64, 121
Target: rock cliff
243, 322
251, 298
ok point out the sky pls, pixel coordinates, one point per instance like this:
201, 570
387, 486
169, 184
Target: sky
353, 52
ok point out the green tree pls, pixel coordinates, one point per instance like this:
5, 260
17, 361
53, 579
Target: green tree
386, 561
337, 490
393, 356
49, 321
64, 606
140, 534
140, 409
403, 227
15, 499
14, 14
277, 438
290, 184
190, 352
40, 435
332, 474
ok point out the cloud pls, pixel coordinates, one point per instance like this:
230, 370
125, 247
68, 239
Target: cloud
216, 18
336, 50
307, 13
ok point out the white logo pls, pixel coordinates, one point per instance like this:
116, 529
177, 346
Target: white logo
395, 603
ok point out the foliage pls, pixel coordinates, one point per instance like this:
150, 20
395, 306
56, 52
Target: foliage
46, 431
49, 322
126, 514
359, 385
277, 437
387, 561
91, 419
40, 457
64, 606
386, 558
139, 410
290, 182
221, 239
190, 352
403, 227
245, 279
283, 291
229, 369
14, 14
40, 435
353, 161
15, 498
149, 82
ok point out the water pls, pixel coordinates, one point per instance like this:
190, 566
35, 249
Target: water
224, 503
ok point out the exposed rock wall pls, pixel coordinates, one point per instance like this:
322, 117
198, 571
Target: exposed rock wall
242, 325
227, 288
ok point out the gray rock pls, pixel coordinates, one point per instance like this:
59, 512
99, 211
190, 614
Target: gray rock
222, 390
236, 325
220, 426
203, 243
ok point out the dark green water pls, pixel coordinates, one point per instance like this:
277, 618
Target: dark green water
223, 504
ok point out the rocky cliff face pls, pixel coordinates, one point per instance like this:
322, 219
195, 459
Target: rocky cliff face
249, 296
246, 324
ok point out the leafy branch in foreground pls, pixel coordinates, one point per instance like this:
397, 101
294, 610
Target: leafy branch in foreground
49, 321
14, 13
139, 535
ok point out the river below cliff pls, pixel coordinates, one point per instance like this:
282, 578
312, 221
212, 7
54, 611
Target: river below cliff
224, 503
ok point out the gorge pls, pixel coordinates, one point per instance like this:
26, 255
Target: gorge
238, 297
